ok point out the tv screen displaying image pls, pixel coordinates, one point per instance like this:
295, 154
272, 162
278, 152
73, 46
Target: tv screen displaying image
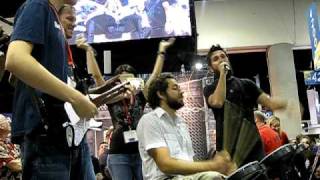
119, 20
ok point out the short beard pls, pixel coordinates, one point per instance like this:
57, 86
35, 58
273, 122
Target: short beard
174, 104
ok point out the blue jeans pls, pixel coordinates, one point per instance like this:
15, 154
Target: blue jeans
49, 159
125, 166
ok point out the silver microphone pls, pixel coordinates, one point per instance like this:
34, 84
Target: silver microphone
227, 67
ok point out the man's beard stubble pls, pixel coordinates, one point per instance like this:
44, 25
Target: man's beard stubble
174, 104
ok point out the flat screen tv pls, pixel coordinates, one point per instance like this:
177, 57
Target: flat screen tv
120, 20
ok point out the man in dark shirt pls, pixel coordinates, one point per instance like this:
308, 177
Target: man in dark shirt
38, 57
241, 92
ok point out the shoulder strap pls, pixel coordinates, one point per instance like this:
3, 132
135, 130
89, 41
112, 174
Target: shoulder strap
39, 105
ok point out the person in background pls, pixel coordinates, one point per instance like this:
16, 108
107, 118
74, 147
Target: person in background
274, 123
316, 174
92, 64
96, 167
304, 157
67, 17
102, 153
164, 141
10, 162
270, 139
38, 42
241, 92
102, 156
124, 162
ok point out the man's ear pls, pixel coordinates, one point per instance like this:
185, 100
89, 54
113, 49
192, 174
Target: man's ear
160, 95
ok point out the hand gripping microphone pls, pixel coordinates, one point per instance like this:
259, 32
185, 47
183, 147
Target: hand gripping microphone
227, 68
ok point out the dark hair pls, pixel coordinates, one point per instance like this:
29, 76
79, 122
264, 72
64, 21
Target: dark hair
125, 68
103, 142
212, 50
160, 84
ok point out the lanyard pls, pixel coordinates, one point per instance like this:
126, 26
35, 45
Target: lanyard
127, 107
70, 57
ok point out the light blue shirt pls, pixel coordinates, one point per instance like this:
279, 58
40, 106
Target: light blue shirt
157, 129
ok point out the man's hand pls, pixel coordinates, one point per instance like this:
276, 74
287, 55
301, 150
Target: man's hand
223, 68
164, 45
223, 160
82, 43
84, 107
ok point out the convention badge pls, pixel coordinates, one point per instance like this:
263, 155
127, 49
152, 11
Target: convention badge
70, 78
69, 135
130, 136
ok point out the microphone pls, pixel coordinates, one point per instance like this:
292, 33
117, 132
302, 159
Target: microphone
227, 67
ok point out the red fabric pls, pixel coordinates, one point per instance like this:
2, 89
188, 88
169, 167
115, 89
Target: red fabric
284, 138
271, 140
70, 57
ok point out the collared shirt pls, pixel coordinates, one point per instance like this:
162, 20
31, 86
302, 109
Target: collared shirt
157, 129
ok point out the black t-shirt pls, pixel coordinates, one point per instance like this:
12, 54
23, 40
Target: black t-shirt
242, 92
120, 113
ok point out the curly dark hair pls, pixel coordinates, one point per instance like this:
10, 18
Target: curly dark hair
212, 50
160, 84
125, 68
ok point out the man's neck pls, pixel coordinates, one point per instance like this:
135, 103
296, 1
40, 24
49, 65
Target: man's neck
170, 111
56, 3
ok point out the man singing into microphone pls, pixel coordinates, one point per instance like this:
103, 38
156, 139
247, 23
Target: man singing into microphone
242, 92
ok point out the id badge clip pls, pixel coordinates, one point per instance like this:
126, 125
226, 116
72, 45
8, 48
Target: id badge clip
130, 136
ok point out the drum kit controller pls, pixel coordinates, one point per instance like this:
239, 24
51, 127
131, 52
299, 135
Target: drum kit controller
278, 164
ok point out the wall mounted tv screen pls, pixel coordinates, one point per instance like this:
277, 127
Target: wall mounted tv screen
120, 20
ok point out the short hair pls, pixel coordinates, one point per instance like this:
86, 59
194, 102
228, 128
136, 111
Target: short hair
103, 142
212, 50
260, 115
66, 6
125, 68
160, 84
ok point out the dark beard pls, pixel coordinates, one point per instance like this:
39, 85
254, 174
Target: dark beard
174, 104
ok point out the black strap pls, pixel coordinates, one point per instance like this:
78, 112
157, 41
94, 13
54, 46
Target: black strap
40, 106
